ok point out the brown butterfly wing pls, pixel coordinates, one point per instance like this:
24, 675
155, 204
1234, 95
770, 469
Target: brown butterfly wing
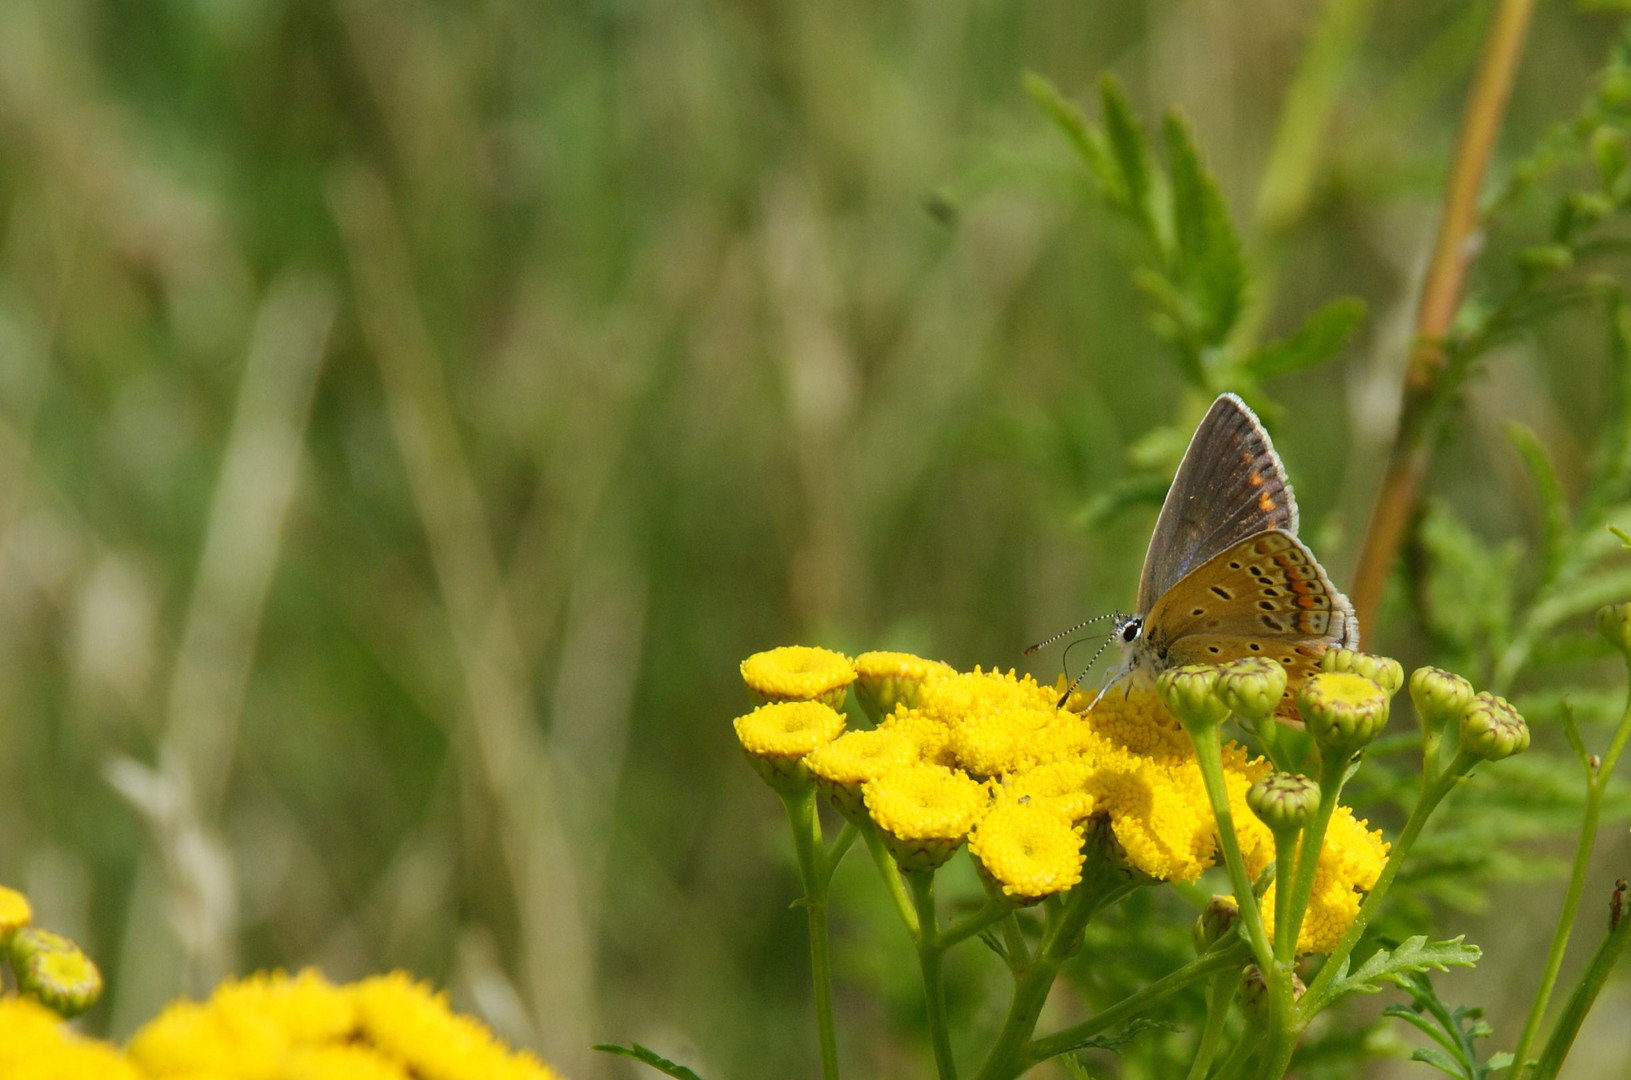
1264, 596
1229, 486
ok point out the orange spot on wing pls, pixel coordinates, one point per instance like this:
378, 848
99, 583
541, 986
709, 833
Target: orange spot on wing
1255, 479
1265, 502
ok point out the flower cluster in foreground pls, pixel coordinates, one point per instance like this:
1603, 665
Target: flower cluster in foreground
991, 759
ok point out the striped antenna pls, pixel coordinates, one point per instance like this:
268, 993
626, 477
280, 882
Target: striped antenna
1071, 689
1072, 630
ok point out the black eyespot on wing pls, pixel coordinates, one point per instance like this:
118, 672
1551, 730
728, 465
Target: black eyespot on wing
1266, 605
1198, 612
1223, 593
1234, 566
1211, 648
1255, 647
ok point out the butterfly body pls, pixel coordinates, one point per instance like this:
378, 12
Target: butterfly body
1225, 575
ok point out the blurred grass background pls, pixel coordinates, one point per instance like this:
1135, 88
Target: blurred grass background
412, 411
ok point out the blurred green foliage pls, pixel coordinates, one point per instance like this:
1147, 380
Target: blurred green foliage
410, 413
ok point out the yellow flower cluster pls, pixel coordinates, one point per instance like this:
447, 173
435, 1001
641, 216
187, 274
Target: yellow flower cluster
274, 1027
990, 758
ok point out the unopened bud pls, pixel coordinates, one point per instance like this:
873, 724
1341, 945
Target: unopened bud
1614, 623
1283, 801
1492, 728
1342, 710
1384, 671
1218, 918
1252, 687
1254, 994
1188, 694
53, 969
1440, 696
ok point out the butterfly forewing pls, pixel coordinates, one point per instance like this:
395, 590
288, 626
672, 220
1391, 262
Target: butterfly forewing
1229, 486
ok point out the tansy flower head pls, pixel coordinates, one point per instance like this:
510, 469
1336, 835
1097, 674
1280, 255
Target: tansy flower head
1029, 849
1061, 785
1384, 671
799, 673
1350, 862
930, 737
36, 1045
1252, 687
843, 765
411, 1023
1189, 693
924, 812
1342, 710
887, 679
1440, 696
15, 913
777, 737
999, 723
53, 969
1492, 728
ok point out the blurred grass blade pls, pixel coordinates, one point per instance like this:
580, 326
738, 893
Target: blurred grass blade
649, 1057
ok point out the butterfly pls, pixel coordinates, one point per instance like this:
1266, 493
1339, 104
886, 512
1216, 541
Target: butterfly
1225, 575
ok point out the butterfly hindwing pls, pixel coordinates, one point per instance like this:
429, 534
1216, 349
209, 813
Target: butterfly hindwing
1229, 486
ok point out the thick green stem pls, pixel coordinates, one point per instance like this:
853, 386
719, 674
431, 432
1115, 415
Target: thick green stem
1332, 771
1581, 1001
1285, 864
930, 951
1209, 755
813, 869
994, 910
885, 863
1596, 784
1315, 999
1220, 994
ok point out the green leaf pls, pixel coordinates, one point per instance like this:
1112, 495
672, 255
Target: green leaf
1622, 536
1209, 261
1130, 148
1088, 140
1148, 489
1076, 1069
1441, 1061
649, 1057
1554, 505
1411, 955
1319, 338
1571, 730
1126, 1035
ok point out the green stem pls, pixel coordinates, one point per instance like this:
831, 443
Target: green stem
1242, 1053
1332, 771
1580, 1002
1019, 954
1596, 785
1209, 755
885, 863
994, 910
1220, 993
814, 870
1285, 864
841, 846
930, 951
1224, 960
1314, 1000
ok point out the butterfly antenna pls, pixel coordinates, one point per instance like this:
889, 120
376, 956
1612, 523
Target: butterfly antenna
1067, 633
1071, 689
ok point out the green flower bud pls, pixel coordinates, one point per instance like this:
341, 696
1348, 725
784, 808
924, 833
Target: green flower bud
1439, 696
1384, 671
1492, 728
1187, 692
1283, 801
1252, 687
1614, 623
1217, 919
1342, 710
54, 970
1254, 994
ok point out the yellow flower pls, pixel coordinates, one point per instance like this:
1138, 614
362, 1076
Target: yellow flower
36, 1045
412, 1024
341, 1061
190, 1038
776, 737
1062, 785
843, 765
929, 736
924, 811
15, 913
1028, 848
53, 969
1350, 861
799, 673
1000, 723
888, 679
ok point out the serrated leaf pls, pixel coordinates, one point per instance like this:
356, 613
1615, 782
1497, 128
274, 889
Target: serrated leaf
1148, 489
1499, 1061
1318, 339
1209, 261
1441, 1061
1114, 1039
1411, 955
1130, 148
1554, 505
649, 1057
1087, 140
1076, 1069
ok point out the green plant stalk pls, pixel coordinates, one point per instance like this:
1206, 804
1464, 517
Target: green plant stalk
814, 870
1241, 1055
1314, 1000
1224, 961
930, 952
1220, 994
1209, 755
840, 847
1285, 874
1580, 1003
885, 863
995, 909
1596, 785
1332, 770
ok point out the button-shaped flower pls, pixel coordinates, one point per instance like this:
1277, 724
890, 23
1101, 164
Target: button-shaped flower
1440, 696
15, 913
1384, 671
799, 673
1283, 801
842, 766
924, 812
1252, 687
53, 969
1342, 710
884, 680
1493, 729
1028, 848
777, 737
1189, 693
